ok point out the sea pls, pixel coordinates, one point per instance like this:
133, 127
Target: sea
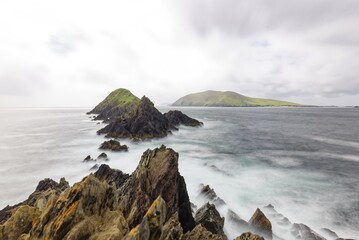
302, 161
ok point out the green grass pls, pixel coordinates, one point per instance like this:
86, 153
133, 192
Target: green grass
227, 99
119, 98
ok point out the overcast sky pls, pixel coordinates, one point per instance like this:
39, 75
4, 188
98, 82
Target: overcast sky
73, 53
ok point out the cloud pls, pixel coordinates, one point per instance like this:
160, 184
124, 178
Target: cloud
282, 49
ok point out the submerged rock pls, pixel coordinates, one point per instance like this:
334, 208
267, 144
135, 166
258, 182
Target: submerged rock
88, 159
114, 146
235, 221
103, 157
301, 231
209, 193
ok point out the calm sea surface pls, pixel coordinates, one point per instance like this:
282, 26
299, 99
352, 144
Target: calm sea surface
303, 161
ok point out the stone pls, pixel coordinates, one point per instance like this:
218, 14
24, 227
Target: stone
301, 231
105, 173
261, 223
103, 157
249, 236
209, 218
176, 118
88, 159
200, 232
114, 146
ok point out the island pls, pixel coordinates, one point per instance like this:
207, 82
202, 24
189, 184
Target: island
228, 99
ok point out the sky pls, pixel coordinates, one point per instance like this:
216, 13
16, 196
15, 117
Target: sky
74, 53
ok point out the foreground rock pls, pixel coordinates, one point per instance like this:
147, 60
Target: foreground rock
209, 218
114, 146
151, 203
261, 223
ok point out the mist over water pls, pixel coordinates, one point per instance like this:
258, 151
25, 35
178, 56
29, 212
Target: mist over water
303, 161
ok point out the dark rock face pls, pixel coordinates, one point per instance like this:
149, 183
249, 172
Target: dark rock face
144, 122
105, 173
261, 223
200, 232
211, 195
157, 174
301, 231
209, 218
114, 146
102, 156
176, 118
249, 236
88, 159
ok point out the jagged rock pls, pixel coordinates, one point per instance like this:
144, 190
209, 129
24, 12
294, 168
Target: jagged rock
234, 220
86, 209
94, 167
114, 146
199, 232
103, 156
19, 223
105, 173
151, 225
211, 195
176, 118
88, 159
209, 218
261, 223
48, 183
172, 230
157, 174
329, 233
144, 122
249, 236
301, 231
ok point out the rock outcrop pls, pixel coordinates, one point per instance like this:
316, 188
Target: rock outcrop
209, 218
261, 223
143, 122
176, 118
210, 195
249, 236
114, 146
301, 231
151, 203
115, 104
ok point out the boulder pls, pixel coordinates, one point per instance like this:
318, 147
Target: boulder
234, 220
114, 146
103, 157
261, 223
176, 118
209, 218
249, 236
94, 167
88, 159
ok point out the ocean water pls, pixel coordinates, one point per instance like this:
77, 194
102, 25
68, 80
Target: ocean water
303, 161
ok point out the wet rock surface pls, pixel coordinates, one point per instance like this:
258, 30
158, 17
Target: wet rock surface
114, 146
176, 118
209, 218
261, 223
249, 236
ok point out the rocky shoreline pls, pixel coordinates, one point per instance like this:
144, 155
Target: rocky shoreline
151, 203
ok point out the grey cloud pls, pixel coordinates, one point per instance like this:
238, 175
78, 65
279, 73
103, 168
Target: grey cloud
67, 42
22, 81
243, 17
